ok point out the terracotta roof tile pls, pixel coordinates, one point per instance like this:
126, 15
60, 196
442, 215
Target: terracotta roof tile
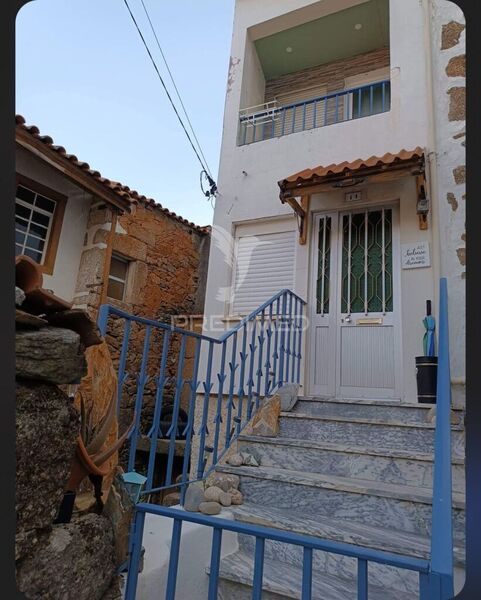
123, 191
318, 173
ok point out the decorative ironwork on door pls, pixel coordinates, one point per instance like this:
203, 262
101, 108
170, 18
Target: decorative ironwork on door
367, 285
323, 265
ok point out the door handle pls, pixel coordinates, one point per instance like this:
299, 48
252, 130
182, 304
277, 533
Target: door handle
347, 319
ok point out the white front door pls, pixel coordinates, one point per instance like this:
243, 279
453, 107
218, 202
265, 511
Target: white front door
354, 322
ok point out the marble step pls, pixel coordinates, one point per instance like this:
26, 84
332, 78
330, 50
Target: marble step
371, 409
339, 530
390, 466
378, 434
375, 503
283, 582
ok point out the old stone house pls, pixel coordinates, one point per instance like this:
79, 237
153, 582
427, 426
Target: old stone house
100, 242
97, 239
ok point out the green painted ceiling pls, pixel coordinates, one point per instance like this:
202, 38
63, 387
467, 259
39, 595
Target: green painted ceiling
330, 38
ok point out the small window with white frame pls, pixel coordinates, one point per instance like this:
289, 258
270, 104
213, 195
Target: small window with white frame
119, 268
33, 223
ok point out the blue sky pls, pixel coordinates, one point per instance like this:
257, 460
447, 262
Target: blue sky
84, 78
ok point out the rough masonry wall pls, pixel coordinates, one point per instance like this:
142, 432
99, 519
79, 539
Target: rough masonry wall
90, 274
449, 90
165, 280
332, 74
165, 283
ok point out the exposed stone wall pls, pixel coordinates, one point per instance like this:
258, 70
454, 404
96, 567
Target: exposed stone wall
166, 279
90, 275
53, 560
332, 74
166, 257
449, 90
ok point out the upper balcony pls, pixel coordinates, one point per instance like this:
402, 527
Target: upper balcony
333, 69
269, 120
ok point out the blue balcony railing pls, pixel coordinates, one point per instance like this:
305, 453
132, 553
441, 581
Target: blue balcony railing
354, 103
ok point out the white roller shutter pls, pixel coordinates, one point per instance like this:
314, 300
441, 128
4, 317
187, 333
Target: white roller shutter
264, 265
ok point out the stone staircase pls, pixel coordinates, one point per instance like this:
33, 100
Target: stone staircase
355, 471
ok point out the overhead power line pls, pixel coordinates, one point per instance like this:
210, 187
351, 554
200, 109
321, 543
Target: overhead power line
213, 186
175, 86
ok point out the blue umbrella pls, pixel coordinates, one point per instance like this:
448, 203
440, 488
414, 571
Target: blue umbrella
428, 340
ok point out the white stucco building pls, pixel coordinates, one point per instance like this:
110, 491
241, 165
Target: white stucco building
315, 84
342, 179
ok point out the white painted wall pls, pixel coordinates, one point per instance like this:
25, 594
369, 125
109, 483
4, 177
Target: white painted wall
249, 174
256, 194
64, 277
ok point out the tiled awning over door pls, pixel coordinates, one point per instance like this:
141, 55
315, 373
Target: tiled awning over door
375, 169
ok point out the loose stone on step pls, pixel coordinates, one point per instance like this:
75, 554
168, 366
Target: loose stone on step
210, 508
212, 494
225, 481
288, 394
235, 460
236, 497
266, 421
224, 498
172, 499
249, 460
194, 496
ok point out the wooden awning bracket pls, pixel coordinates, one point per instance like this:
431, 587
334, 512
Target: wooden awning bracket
301, 210
422, 205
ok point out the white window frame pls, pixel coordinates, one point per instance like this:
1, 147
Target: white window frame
128, 262
32, 208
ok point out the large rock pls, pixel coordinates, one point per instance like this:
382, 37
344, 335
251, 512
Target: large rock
119, 510
266, 421
97, 389
47, 427
77, 561
288, 394
50, 354
194, 496
79, 321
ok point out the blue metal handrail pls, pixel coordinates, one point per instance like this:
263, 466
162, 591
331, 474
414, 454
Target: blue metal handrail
308, 543
316, 112
440, 582
249, 374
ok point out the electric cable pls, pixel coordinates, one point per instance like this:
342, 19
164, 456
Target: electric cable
175, 86
213, 187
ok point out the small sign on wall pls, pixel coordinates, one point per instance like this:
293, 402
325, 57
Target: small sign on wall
415, 255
